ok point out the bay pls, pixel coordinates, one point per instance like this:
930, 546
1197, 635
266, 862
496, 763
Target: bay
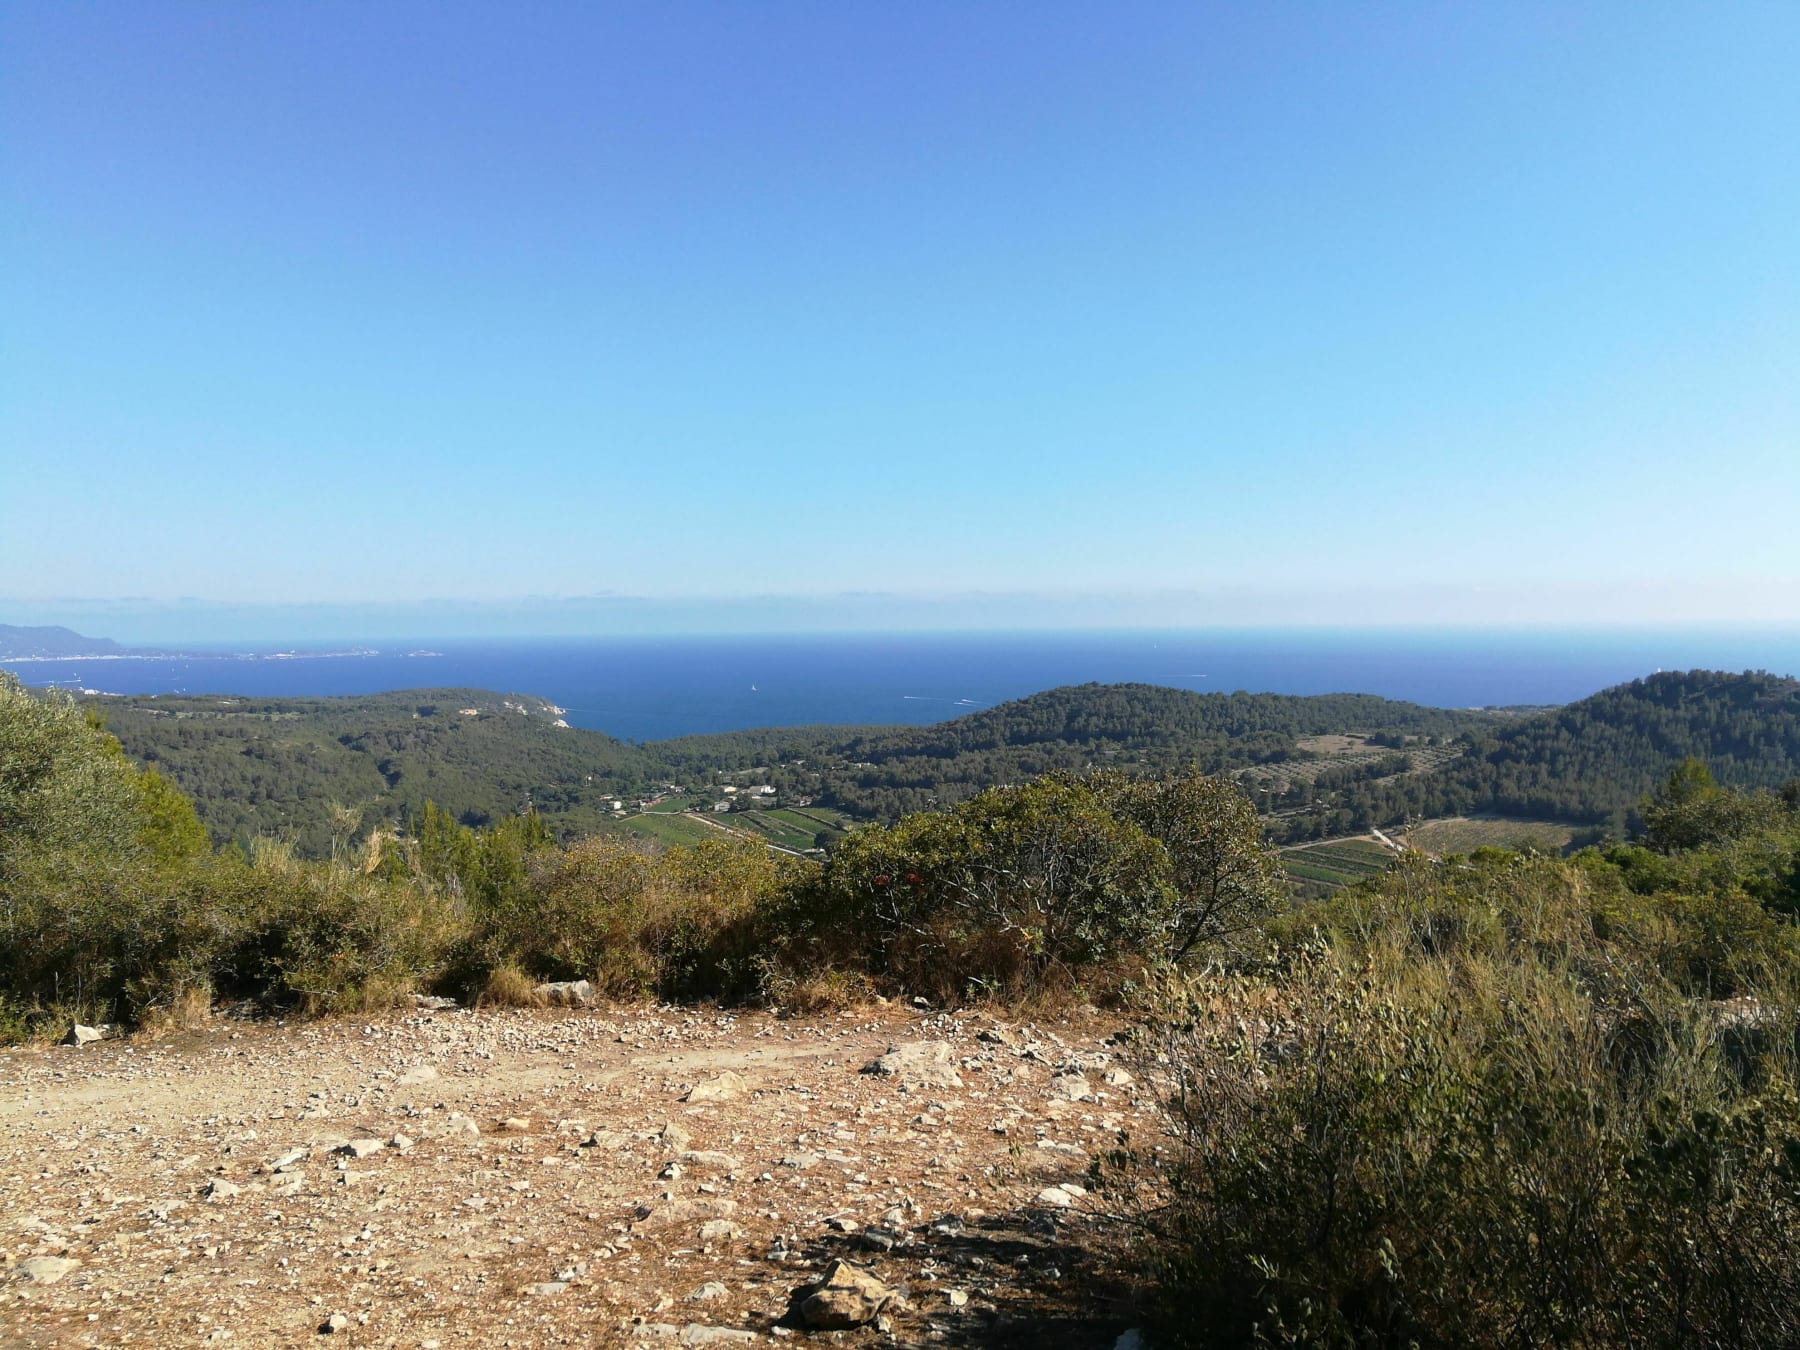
649, 688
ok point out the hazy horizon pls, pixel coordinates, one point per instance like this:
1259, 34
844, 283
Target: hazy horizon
146, 623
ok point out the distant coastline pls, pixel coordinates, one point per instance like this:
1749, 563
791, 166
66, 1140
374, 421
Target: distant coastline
645, 689
148, 654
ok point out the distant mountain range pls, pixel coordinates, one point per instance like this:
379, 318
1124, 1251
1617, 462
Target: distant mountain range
49, 644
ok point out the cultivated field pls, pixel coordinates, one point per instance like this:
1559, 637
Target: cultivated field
1462, 834
1337, 862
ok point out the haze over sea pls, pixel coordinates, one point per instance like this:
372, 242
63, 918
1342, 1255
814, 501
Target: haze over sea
647, 688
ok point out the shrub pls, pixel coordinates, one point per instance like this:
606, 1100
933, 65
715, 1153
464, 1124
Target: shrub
998, 894
1467, 1117
682, 922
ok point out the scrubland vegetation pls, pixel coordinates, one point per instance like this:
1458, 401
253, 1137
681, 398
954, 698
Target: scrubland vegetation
115, 906
1493, 1099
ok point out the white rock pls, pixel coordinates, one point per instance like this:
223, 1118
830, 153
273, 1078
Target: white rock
44, 1269
695, 1334
926, 1063
724, 1088
717, 1162
1056, 1197
566, 993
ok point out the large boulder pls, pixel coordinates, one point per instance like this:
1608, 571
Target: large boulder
845, 1298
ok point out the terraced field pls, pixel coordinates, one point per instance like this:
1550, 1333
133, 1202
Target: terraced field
779, 828
1336, 862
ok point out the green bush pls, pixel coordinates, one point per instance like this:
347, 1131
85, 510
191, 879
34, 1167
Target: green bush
680, 922
1472, 1152
1043, 884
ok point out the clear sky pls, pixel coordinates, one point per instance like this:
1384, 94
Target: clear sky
1184, 312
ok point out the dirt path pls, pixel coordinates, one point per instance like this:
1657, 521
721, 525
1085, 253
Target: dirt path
535, 1179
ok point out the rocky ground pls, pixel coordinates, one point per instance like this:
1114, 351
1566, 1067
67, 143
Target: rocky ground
578, 1177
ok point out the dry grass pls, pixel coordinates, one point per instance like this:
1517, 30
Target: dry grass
509, 987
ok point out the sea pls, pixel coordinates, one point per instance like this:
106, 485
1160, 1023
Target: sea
652, 688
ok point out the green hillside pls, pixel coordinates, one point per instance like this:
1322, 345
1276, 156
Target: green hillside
1590, 762
278, 766
883, 772
1320, 766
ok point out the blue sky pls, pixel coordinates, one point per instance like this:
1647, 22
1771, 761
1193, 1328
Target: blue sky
1006, 313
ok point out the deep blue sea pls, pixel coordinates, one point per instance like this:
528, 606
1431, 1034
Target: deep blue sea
646, 688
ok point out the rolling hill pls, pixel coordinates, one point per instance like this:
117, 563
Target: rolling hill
1323, 766
1590, 762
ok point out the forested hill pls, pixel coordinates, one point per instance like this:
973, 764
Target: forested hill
1591, 762
886, 771
278, 766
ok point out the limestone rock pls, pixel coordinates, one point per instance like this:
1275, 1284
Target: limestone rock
695, 1334
566, 993
361, 1148
44, 1269
724, 1088
419, 1073
1071, 1087
80, 1035
845, 1298
925, 1063
716, 1162
685, 1212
